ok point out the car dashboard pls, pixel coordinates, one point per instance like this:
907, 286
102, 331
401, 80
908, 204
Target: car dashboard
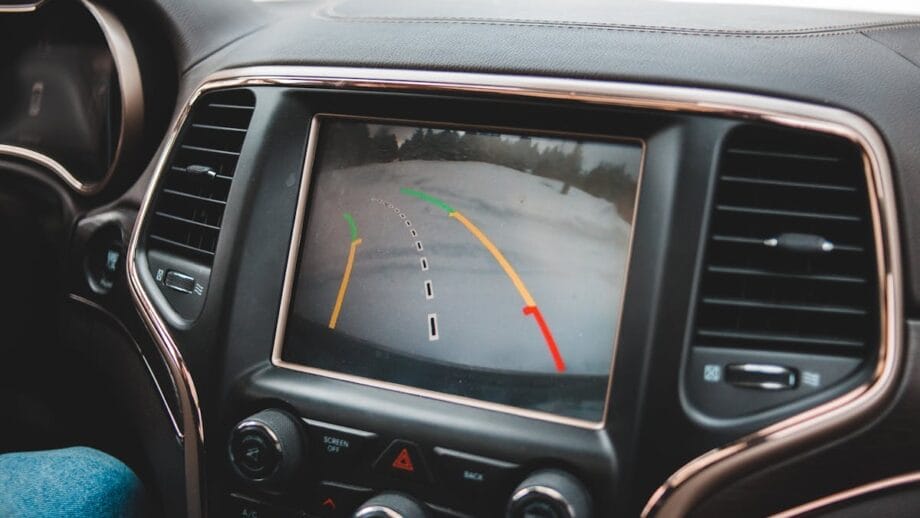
399, 259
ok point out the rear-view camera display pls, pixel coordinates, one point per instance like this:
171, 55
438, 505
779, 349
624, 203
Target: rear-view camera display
483, 264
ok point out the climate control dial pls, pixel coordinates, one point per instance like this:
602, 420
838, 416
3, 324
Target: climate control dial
392, 505
550, 493
267, 448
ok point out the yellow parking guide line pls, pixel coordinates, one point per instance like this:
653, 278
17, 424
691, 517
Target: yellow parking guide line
496, 253
344, 286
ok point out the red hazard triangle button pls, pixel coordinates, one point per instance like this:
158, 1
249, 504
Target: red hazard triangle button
403, 459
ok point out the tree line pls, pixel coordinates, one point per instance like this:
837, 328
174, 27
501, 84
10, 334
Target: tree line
350, 145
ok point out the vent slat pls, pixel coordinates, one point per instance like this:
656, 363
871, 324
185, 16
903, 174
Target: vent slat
186, 220
760, 242
183, 170
219, 128
753, 272
761, 304
738, 239
193, 196
181, 245
189, 208
764, 287
227, 106
784, 183
778, 154
209, 150
779, 337
788, 213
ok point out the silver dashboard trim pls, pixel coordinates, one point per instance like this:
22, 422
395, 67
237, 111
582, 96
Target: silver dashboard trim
849, 494
27, 7
191, 429
41, 159
132, 103
699, 477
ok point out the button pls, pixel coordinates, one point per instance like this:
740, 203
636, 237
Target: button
472, 473
179, 281
254, 454
403, 460
338, 448
761, 376
242, 507
239, 506
334, 499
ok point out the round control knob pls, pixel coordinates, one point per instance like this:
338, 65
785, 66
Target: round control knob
550, 493
392, 505
267, 448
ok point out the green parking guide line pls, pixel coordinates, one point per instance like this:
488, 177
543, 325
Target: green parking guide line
427, 197
352, 226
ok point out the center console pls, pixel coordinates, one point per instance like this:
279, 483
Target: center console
271, 448
450, 295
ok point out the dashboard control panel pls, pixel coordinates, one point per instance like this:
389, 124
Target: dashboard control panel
443, 304
351, 472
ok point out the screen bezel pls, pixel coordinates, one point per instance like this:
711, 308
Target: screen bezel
293, 262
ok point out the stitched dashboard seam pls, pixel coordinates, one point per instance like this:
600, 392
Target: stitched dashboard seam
868, 35
638, 29
330, 12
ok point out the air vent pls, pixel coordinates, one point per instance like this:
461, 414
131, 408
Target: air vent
790, 261
189, 207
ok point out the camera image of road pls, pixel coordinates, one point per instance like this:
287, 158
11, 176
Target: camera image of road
467, 263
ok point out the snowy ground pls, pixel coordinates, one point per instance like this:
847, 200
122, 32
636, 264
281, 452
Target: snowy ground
570, 251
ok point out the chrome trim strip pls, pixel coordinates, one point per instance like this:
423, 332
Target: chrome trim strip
30, 7
129, 84
191, 429
41, 159
191, 433
699, 477
294, 254
132, 103
856, 492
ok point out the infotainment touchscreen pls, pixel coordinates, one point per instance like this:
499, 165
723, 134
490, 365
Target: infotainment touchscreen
480, 265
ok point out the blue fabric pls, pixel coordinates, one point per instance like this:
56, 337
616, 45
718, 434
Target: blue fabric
73, 482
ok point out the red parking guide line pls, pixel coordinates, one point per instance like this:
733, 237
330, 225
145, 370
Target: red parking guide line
547, 335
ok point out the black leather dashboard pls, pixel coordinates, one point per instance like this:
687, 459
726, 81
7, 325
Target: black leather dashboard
864, 63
